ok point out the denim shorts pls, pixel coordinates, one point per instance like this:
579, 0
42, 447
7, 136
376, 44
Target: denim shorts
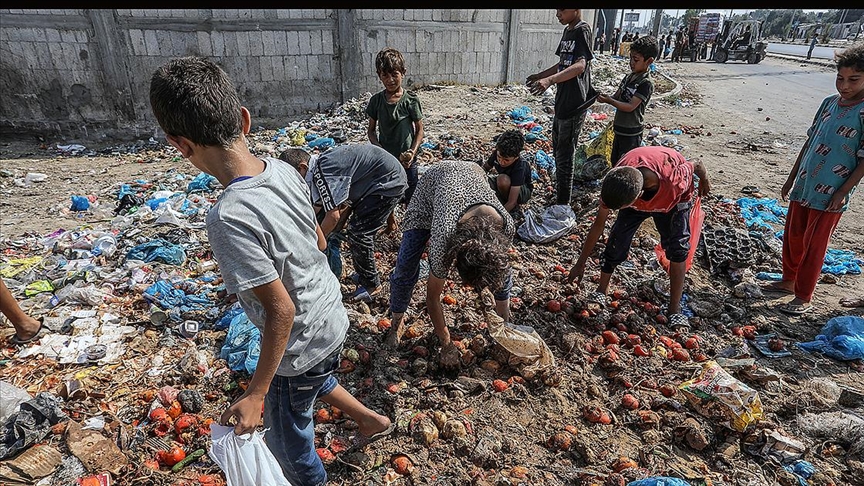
290, 433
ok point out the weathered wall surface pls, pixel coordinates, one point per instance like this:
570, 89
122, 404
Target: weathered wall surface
84, 73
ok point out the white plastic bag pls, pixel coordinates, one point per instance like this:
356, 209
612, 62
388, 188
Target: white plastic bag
245, 459
553, 223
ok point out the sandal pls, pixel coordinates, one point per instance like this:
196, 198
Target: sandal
19, 342
679, 321
795, 309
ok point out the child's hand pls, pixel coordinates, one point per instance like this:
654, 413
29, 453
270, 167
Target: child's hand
540, 86
784, 192
406, 157
604, 98
704, 187
837, 200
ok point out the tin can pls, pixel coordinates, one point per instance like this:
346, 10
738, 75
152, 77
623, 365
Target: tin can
95, 352
157, 316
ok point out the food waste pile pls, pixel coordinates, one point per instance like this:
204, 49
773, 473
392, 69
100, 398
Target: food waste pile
143, 349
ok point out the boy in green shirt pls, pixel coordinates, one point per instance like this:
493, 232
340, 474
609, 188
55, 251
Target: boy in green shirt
395, 114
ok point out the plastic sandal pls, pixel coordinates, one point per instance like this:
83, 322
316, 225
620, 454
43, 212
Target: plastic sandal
677, 321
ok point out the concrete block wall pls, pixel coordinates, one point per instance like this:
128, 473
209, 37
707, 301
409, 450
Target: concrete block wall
83, 74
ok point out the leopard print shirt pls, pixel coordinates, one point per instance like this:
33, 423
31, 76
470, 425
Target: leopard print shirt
443, 194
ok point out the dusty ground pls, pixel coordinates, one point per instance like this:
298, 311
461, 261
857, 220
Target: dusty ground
462, 430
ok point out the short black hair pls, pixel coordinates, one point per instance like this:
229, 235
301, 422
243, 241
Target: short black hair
389, 60
295, 156
193, 97
852, 56
478, 248
510, 143
621, 186
645, 45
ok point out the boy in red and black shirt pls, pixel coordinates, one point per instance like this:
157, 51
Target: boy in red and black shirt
651, 181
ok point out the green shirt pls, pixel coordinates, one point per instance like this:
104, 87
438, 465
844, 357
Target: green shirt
395, 120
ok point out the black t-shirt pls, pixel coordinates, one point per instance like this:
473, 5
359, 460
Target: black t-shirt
519, 171
577, 93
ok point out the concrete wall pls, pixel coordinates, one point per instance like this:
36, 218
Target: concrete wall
83, 74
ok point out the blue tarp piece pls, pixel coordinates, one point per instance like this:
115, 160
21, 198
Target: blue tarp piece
659, 481
242, 345
158, 250
545, 161
203, 182
322, 143
841, 338
772, 276
80, 203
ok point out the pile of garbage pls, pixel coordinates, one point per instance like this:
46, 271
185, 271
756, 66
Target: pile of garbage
143, 348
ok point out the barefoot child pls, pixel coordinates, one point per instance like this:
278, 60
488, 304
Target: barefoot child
268, 244
828, 168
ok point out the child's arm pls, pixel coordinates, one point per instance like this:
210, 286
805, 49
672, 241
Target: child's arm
279, 309
790, 180
418, 137
567, 74
322, 240
542, 74
512, 198
704, 184
842, 192
371, 132
591, 239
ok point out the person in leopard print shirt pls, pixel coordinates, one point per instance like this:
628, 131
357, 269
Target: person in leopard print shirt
456, 212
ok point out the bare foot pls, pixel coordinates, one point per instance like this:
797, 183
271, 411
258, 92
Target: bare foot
394, 337
374, 424
852, 302
27, 328
783, 286
451, 357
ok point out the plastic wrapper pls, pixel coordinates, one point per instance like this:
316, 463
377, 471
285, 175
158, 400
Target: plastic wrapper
554, 222
245, 459
718, 395
528, 352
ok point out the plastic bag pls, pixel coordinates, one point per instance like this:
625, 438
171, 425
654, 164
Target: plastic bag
697, 218
554, 222
602, 144
659, 481
841, 338
718, 395
245, 459
529, 353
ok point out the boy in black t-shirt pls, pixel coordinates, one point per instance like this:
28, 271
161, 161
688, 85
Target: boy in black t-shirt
512, 178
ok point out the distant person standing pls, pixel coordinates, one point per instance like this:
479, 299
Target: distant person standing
616, 41
661, 46
812, 45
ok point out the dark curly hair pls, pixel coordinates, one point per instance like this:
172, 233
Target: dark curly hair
621, 186
852, 56
478, 248
389, 60
193, 97
646, 45
510, 143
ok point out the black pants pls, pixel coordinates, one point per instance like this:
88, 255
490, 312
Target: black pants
367, 218
565, 137
621, 144
674, 229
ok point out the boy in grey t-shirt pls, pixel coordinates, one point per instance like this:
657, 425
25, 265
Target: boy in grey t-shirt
265, 237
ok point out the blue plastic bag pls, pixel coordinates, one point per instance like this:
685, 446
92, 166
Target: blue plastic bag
203, 182
322, 143
841, 338
158, 250
659, 481
242, 346
80, 203
545, 161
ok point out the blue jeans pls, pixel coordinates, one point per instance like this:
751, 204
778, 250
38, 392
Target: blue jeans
290, 432
407, 271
